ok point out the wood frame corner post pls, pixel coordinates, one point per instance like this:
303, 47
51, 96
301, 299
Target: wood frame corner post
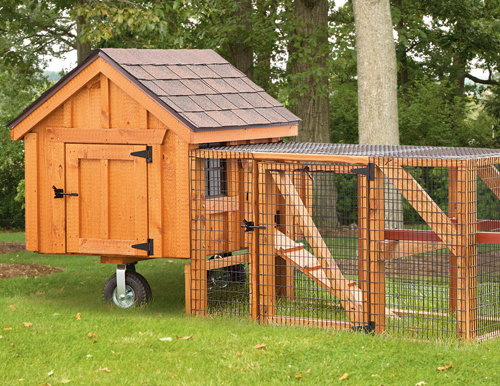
376, 272
466, 256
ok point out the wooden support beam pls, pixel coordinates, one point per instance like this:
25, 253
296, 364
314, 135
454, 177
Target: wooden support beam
253, 207
422, 203
187, 289
267, 267
363, 246
199, 295
107, 136
31, 189
467, 251
376, 225
400, 249
228, 261
491, 177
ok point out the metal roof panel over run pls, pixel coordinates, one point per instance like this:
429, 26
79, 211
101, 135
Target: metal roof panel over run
361, 151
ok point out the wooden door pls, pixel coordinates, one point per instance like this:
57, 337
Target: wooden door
110, 213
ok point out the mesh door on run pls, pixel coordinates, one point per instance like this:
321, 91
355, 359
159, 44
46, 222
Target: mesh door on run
312, 269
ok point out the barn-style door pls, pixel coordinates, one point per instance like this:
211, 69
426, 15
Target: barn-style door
110, 213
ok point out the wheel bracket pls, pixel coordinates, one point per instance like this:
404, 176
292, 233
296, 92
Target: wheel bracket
120, 281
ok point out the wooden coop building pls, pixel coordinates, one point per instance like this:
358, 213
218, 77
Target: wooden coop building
107, 152
143, 154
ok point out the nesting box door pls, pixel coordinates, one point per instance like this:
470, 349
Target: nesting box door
110, 213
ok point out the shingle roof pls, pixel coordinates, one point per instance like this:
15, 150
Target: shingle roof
198, 87
202, 88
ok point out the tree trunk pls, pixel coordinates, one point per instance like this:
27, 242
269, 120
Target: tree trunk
241, 50
377, 89
402, 57
377, 73
309, 54
82, 49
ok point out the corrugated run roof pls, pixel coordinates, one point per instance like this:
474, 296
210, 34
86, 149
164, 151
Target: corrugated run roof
414, 152
202, 88
199, 87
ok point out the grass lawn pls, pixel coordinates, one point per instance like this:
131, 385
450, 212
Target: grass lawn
109, 346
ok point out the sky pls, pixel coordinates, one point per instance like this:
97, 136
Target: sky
57, 64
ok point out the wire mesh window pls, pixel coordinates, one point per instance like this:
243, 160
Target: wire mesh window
215, 177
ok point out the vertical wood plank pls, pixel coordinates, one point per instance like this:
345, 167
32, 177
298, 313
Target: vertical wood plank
31, 189
105, 198
377, 266
155, 195
267, 271
58, 179
141, 196
68, 112
105, 112
73, 206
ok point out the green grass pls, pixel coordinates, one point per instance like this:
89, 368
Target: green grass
221, 351
18, 237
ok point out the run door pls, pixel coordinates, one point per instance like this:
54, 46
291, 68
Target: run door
109, 216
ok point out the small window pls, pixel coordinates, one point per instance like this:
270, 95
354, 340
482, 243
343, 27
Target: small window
215, 177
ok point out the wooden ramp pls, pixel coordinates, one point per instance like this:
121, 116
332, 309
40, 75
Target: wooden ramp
319, 265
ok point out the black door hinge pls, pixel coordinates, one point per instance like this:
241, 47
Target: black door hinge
148, 247
367, 171
148, 154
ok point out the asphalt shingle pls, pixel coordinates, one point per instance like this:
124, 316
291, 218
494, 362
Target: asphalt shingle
202, 88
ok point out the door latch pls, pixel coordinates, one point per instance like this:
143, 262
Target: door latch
249, 226
59, 193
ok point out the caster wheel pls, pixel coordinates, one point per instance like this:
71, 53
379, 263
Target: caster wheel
137, 291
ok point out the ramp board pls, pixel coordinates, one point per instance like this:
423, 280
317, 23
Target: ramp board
345, 290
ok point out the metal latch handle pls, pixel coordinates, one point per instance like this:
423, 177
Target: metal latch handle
59, 193
249, 226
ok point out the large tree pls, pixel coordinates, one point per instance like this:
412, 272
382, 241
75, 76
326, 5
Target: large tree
377, 73
309, 50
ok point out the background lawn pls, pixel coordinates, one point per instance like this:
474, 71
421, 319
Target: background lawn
109, 346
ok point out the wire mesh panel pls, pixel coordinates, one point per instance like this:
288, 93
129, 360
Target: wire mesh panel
406, 244
309, 251
419, 274
221, 202
488, 253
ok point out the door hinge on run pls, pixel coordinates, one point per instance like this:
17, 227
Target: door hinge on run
367, 171
148, 247
148, 154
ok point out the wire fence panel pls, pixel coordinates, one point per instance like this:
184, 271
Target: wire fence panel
221, 268
406, 246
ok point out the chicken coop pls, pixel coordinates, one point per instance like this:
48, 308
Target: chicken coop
146, 154
107, 154
392, 239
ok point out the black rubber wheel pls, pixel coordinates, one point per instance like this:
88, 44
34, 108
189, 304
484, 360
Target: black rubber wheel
149, 293
136, 291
